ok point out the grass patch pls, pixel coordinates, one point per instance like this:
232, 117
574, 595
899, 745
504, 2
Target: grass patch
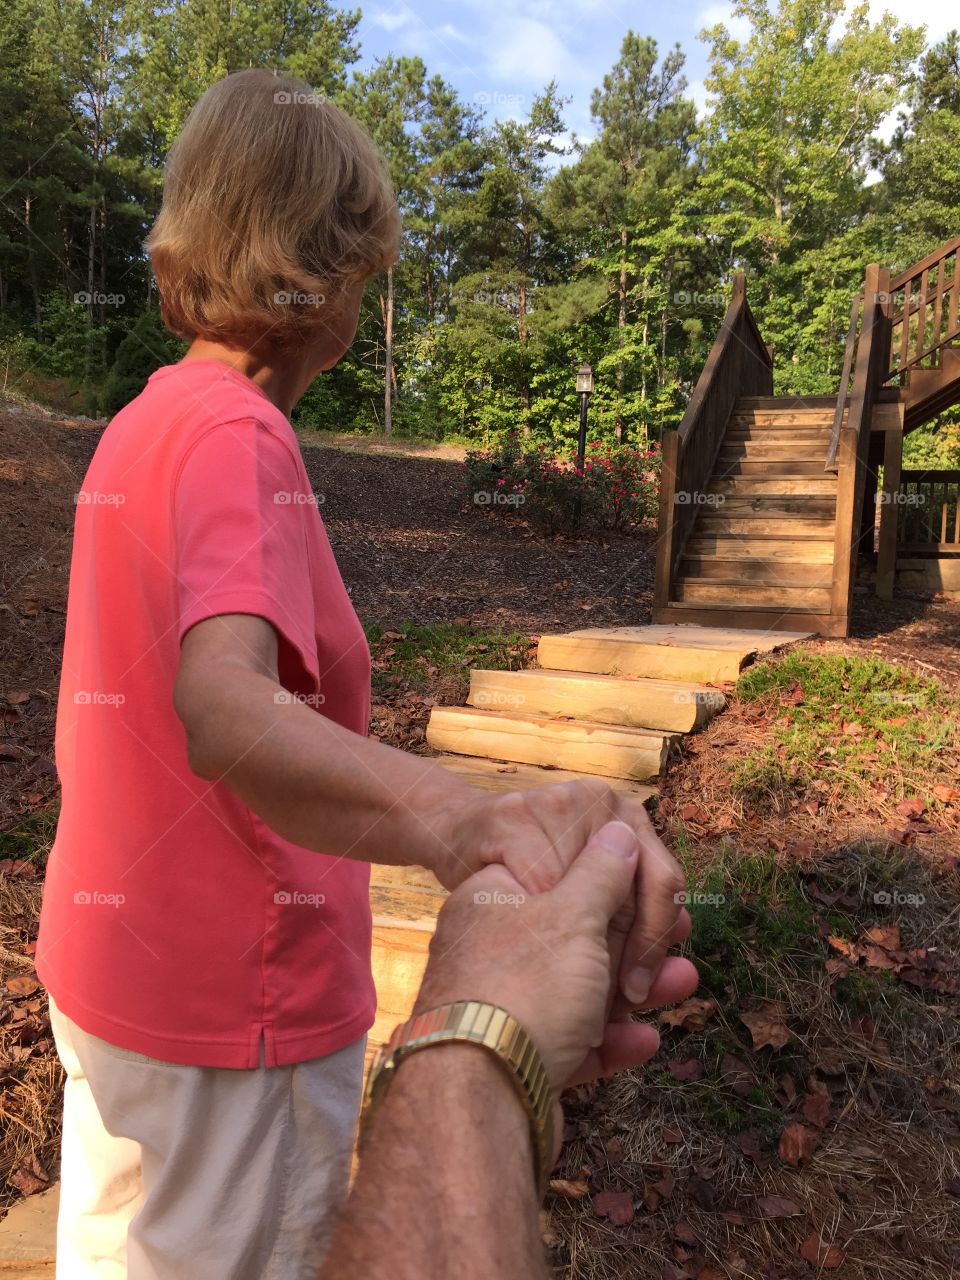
840, 721
32, 839
745, 908
420, 657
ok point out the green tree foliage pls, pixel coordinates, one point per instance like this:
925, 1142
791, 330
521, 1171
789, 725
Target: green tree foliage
523, 253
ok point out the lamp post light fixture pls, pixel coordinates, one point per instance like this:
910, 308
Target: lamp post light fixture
584, 391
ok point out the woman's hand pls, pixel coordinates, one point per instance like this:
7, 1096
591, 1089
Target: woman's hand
536, 835
548, 957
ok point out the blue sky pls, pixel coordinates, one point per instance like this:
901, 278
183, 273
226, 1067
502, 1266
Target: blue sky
499, 54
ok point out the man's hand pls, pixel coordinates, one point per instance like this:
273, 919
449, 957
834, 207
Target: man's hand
536, 835
546, 957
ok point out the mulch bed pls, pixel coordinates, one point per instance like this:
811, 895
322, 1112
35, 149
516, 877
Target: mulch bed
411, 548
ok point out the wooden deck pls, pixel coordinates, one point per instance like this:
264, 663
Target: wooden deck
766, 501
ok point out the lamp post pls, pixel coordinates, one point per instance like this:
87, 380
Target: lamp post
584, 391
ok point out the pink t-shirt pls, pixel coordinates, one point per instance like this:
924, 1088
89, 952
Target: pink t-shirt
175, 923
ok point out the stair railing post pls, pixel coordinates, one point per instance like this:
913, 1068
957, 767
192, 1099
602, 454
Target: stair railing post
666, 541
854, 441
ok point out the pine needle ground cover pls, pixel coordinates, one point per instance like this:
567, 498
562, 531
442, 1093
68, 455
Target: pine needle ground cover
803, 1113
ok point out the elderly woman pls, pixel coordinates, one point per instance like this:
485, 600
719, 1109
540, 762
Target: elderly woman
205, 935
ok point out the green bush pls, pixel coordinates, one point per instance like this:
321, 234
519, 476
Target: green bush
145, 348
616, 487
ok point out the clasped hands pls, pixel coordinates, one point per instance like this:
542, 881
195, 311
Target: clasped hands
565, 903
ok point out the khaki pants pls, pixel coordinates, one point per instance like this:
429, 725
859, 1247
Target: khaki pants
199, 1173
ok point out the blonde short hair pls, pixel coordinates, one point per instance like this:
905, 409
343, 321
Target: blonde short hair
275, 204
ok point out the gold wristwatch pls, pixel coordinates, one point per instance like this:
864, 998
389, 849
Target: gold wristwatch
493, 1029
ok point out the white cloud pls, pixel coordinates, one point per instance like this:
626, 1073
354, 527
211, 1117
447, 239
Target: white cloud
391, 21
530, 52
938, 16
722, 11
697, 90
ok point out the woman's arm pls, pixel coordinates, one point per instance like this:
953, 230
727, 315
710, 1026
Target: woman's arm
325, 788
312, 781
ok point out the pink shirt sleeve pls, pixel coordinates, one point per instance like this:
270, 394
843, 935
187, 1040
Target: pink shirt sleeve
240, 512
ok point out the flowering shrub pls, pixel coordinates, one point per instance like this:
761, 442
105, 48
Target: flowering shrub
616, 487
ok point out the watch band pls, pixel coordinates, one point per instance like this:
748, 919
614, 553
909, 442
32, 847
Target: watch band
491, 1028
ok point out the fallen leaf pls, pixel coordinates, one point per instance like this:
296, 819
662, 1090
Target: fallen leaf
691, 1015
778, 1207
29, 1177
797, 1143
671, 1134
688, 1069
22, 985
615, 1205
911, 808
946, 794
16, 697
573, 1190
886, 936
827, 1257
816, 1105
749, 1144
766, 1025
703, 1194
735, 1073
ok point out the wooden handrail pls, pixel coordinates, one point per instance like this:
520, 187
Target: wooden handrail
739, 364
927, 520
873, 353
844, 389
931, 260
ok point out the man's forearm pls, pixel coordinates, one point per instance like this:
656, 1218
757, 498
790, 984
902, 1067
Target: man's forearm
446, 1181
314, 782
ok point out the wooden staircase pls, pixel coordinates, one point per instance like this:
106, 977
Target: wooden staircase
608, 702
760, 551
767, 502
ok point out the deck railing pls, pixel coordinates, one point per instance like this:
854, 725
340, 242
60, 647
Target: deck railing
925, 311
739, 364
928, 512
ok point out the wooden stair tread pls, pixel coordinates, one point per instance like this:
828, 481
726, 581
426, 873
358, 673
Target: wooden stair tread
736, 591
726, 546
702, 614
701, 654
776, 486
673, 705
585, 747
753, 570
784, 467
777, 402
494, 775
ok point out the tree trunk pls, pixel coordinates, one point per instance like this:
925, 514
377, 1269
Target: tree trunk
388, 380
522, 335
621, 327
